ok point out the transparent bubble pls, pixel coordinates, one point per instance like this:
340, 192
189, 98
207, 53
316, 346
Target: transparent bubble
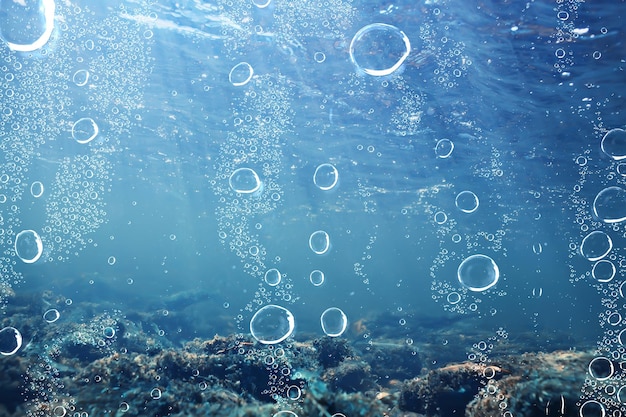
109, 332
453, 297
325, 177
441, 217
26, 26
621, 394
334, 322
319, 242
601, 368
28, 246
51, 315
10, 341
596, 245
614, 144
244, 181
272, 277
614, 319
155, 394
124, 407
537, 248
294, 392
316, 277
478, 273
466, 201
603, 271
85, 130
592, 408
81, 77
241, 74
319, 57
609, 206
285, 413
272, 324
379, 49
261, 4
36, 189
444, 148
59, 411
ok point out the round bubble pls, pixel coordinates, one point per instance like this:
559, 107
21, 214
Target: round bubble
478, 273
592, 408
316, 277
51, 315
614, 144
603, 271
261, 4
444, 148
272, 324
609, 206
466, 201
244, 181
285, 413
319, 57
441, 217
379, 49
10, 341
59, 411
36, 189
319, 242
334, 322
453, 297
240, 74
155, 394
621, 394
601, 368
26, 26
325, 177
596, 245
109, 332
28, 246
272, 277
80, 77
84, 130
294, 392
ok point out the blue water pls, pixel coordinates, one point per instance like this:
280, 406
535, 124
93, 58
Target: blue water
524, 90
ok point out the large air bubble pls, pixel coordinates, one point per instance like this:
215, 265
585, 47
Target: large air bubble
272, 277
10, 341
444, 148
596, 245
603, 271
601, 368
244, 181
466, 201
614, 144
26, 26
379, 49
609, 206
319, 242
28, 246
326, 177
240, 74
272, 324
85, 130
334, 322
478, 273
